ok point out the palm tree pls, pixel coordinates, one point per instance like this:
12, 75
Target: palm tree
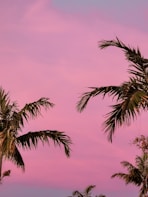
11, 123
142, 143
131, 96
138, 175
101, 195
85, 193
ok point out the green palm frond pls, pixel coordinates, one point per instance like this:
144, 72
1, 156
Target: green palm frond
143, 190
34, 108
136, 175
130, 97
86, 97
31, 109
126, 110
6, 173
17, 159
121, 175
114, 119
132, 54
139, 68
4, 99
140, 72
77, 193
140, 163
128, 165
117, 117
85, 193
133, 177
88, 189
32, 138
6, 109
110, 90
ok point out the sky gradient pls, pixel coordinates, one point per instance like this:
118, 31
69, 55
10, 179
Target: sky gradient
50, 49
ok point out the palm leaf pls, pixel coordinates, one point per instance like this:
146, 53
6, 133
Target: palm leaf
110, 90
124, 176
121, 175
4, 98
132, 177
130, 97
32, 138
133, 55
16, 158
34, 108
88, 189
31, 109
128, 165
131, 100
6, 173
134, 174
77, 193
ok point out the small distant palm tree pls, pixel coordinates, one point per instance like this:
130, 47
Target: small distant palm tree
12, 121
101, 195
142, 143
138, 175
131, 96
85, 193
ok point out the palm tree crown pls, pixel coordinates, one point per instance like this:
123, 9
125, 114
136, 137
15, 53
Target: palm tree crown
11, 123
131, 96
138, 175
86, 192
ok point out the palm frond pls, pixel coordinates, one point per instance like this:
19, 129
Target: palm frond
77, 193
131, 100
110, 90
121, 175
130, 97
143, 190
132, 54
141, 142
128, 165
30, 109
139, 72
140, 161
132, 177
16, 158
5, 109
4, 99
6, 173
89, 188
116, 118
32, 138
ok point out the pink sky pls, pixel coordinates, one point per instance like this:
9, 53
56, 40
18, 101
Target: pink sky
48, 51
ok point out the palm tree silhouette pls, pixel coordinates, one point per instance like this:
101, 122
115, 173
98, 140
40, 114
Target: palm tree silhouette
12, 121
138, 175
131, 96
86, 192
